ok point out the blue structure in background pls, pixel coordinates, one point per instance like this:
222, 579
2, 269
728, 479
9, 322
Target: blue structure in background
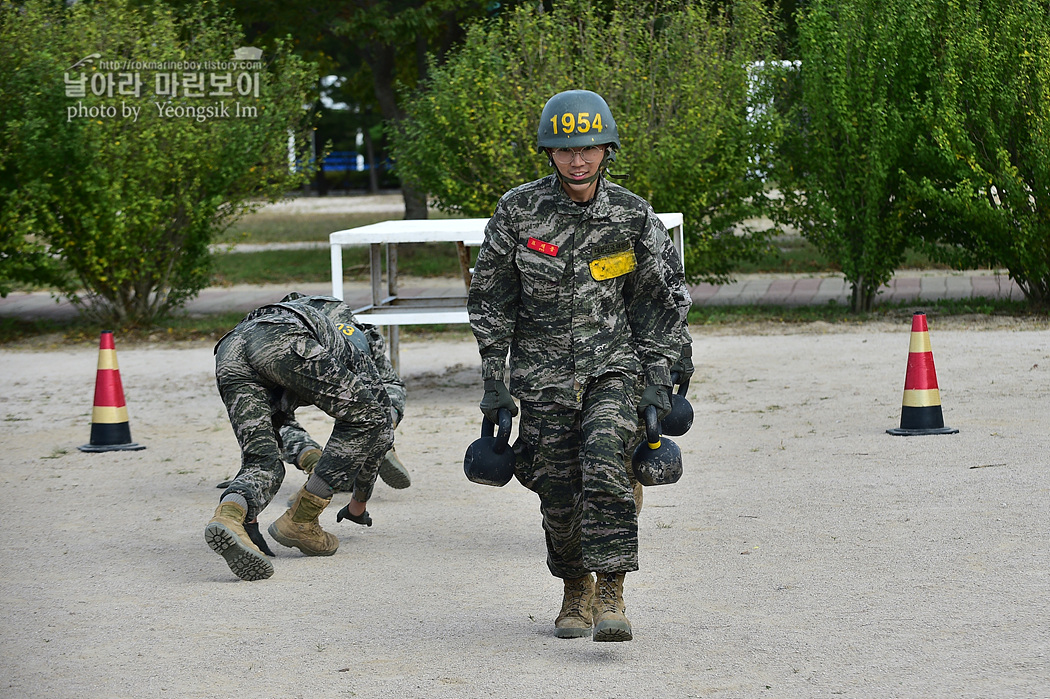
350, 161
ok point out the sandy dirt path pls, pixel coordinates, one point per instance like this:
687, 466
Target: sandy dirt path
805, 553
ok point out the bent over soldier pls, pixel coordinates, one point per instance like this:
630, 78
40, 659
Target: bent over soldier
571, 281
299, 448
282, 356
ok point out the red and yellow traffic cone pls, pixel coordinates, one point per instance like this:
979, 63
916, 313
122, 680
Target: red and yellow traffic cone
921, 410
109, 415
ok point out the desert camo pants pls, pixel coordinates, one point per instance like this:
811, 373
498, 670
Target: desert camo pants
263, 358
575, 461
294, 441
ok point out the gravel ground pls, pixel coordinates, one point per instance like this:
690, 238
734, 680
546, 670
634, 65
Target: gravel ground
805, 553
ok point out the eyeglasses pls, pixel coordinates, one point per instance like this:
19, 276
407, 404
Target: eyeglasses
564, 156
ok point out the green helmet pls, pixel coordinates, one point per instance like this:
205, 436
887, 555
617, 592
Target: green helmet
577, 118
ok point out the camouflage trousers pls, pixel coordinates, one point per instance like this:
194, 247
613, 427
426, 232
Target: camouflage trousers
639, 431
294, 441
575, 461
266, 358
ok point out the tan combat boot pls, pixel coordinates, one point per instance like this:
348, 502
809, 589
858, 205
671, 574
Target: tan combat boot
574, 621
610, 624
298, 526
226, 536
393, 472
307, 463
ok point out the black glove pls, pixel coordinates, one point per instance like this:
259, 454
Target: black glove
364, 519
496, 396
682, 370
657, 396
252, 530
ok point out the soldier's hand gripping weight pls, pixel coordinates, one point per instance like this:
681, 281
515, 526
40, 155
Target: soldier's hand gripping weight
489, 460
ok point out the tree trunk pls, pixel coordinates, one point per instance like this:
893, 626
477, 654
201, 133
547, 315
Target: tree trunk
381, 59
415, 202
370, 158
321, 181
861, 297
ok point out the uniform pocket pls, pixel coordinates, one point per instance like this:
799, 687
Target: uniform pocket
541, 275
306, 347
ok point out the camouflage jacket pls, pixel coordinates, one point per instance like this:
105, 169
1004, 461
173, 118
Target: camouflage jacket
573, 292
332, 323
363, 337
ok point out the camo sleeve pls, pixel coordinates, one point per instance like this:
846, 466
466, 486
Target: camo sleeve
674, 274
492, 301
685, 339
392, 383
654, 301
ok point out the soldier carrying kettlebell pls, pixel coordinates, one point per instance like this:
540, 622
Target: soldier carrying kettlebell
578, 281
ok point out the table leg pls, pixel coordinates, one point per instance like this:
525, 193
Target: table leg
376, 273
395, 349
337, 271
464, 262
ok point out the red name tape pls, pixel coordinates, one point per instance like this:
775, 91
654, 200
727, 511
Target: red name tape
540, 246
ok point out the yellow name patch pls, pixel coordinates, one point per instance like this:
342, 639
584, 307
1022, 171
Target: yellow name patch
613, 266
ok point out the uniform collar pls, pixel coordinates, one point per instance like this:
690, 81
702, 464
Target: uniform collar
598, 208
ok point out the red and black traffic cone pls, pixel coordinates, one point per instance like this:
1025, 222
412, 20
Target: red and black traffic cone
921, 410
109, 415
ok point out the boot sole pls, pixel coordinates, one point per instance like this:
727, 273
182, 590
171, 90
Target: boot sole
294, 543
572, 633
394, 476
612, 631
245, 563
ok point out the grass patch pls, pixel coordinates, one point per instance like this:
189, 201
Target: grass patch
839, 313
48, 333
791, 255
270, 227
287, 268
796, 255
314, 265
276, 267
43, 334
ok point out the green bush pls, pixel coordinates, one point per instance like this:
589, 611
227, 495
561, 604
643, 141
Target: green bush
980, 192
130, 203
853, 122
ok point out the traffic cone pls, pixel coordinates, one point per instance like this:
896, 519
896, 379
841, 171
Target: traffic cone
921, 410
109, 416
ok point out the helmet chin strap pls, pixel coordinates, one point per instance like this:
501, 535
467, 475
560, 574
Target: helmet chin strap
605, 166
588, 180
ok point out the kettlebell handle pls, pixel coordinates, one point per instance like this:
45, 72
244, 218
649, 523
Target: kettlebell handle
488, 428
682, 387
652, 425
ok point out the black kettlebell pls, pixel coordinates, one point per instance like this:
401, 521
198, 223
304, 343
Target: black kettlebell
680, 419
657, 461
488, 460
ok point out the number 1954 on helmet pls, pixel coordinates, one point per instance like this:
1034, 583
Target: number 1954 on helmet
575, 119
